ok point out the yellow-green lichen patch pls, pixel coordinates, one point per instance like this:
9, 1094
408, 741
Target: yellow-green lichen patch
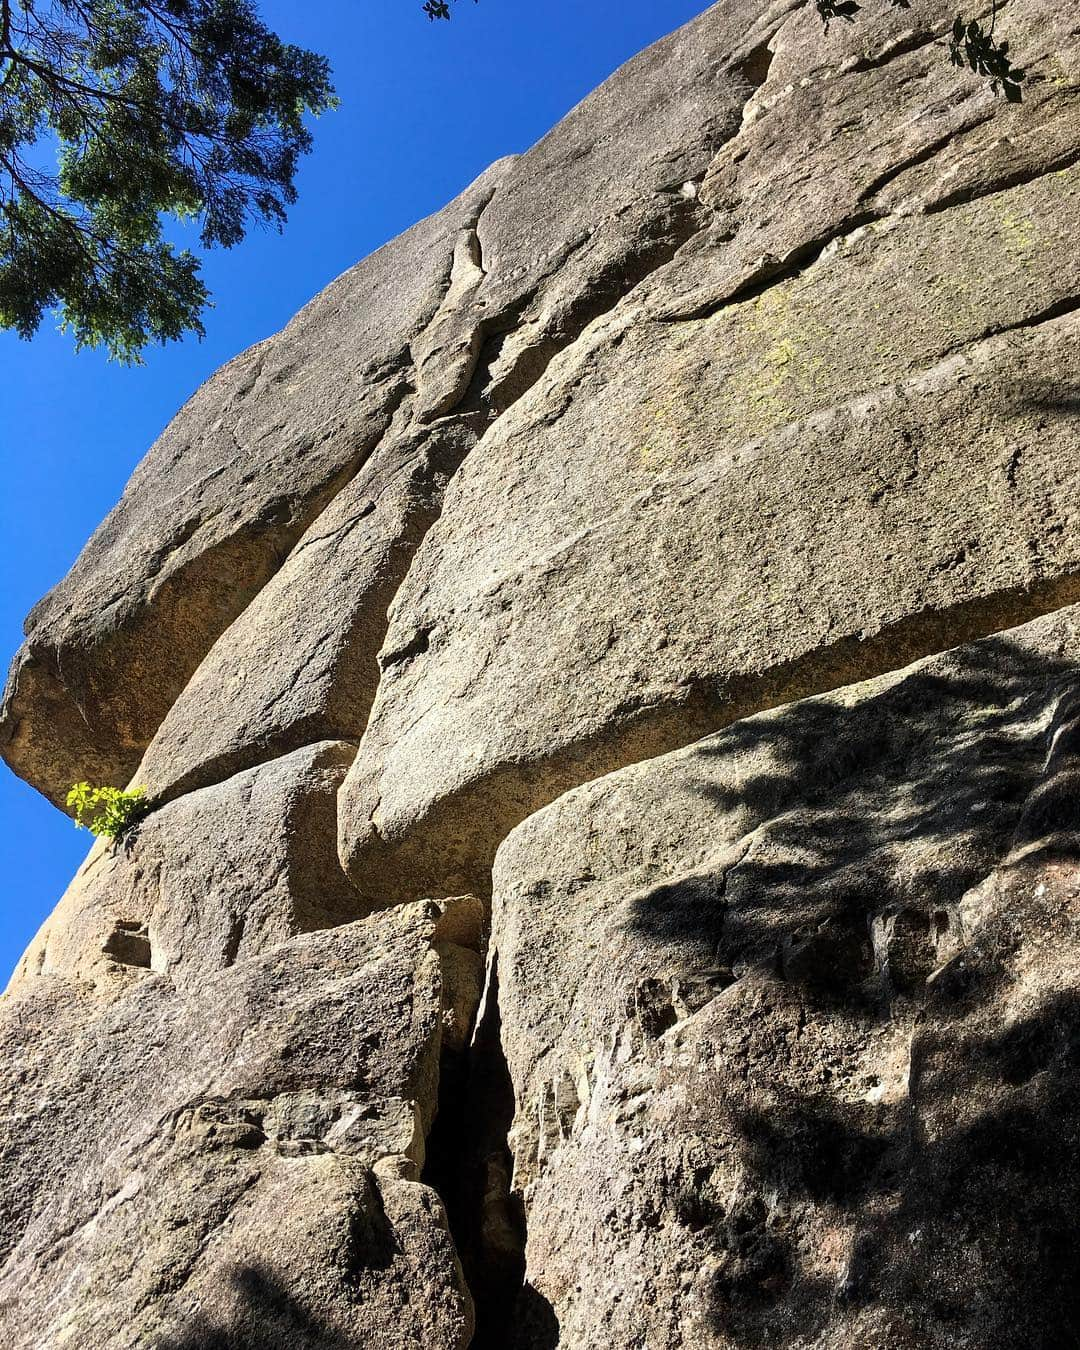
883, 302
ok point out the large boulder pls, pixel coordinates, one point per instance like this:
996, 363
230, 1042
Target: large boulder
791, 1021
237, 1161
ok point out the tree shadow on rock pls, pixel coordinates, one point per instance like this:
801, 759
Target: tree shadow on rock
851, 836
262, 1315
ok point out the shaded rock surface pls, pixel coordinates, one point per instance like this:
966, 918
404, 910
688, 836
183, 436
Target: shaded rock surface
573, 552
789, 1017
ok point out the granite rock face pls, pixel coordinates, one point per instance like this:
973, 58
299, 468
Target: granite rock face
607, 680
242, 1155
790, 1017
248, 463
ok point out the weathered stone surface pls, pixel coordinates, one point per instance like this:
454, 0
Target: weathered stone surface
859, 242
866, 124
216, 876
236, 1161
752, 383
792, 1037
254, 457
299, 664
212, 510
649, 545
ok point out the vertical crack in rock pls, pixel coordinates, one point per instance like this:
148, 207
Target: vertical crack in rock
336, 588
510, 361
470, 1165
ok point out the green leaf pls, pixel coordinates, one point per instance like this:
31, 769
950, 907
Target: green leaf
191, 110
107, 811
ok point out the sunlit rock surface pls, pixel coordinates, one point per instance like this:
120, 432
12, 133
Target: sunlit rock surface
606, 677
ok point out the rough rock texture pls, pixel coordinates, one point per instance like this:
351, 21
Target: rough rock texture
249, 462
673, 543
790, 1017
219, 875
300, 662
253, 458
241, 1156
522, 670
647, 545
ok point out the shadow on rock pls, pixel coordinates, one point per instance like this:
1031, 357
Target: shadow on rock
262, 1315
903, 893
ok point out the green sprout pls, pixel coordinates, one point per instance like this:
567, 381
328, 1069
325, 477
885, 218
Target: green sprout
107, 810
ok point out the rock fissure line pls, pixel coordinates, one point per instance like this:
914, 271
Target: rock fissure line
1059, 164
1060, 309
923, 155
719, 1001
470, 1166
902, 45
532, 362
772, 271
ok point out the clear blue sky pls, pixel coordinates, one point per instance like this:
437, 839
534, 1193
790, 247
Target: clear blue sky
425, 107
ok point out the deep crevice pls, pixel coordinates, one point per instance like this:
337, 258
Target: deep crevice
470, 1166
754, 67
129, 944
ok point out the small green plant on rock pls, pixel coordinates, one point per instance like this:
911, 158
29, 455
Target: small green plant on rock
107, 810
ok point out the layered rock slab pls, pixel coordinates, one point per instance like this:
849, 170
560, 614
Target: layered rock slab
300, 662
237, 1160
217, 876
790, 1017
687, 522
703, 138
